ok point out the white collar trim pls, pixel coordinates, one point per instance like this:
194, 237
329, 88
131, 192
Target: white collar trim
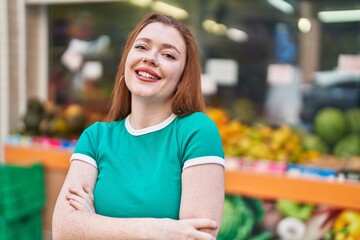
159, 126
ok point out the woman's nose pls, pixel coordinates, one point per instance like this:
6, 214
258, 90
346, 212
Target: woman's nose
150, 60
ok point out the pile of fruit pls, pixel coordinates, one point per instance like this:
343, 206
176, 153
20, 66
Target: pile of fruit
336, 133
47, 119
282, 144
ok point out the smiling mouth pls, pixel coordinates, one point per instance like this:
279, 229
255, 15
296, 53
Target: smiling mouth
147, 75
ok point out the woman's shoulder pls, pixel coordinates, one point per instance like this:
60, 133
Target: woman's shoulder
103, 126
196, 120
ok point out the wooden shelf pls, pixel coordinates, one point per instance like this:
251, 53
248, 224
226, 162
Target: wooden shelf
261, 185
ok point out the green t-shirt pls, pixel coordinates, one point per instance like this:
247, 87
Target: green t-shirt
139, 171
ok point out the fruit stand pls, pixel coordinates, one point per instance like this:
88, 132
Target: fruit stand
295, 172
261, 185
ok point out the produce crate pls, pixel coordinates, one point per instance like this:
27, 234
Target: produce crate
22, 191
28, 227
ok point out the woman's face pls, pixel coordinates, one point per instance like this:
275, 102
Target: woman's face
155, 63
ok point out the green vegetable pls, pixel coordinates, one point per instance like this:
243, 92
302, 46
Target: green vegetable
262, 236
247, 219
229, 222
238, 219
294, 209
257, 208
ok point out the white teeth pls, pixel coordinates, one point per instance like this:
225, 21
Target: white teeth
145, 74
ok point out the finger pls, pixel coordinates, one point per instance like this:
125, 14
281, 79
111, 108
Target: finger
76, 191
89, 194
80, 193
77, 199
89, 191
203, 223
72, 197
204, 236
83, 198
78, 203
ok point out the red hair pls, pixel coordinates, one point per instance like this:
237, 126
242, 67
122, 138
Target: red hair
188, 97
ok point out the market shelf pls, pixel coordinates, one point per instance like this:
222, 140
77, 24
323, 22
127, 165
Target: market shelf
302, 189
255, 184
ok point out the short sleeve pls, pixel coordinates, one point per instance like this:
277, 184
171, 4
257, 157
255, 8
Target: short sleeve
86, 147
201, 141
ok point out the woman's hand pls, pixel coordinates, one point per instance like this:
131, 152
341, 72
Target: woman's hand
81, 199
188, 229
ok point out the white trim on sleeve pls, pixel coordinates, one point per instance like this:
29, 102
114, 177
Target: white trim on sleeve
204, 160
84, 158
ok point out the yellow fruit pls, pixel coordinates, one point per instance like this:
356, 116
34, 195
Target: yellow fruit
217, 115
74, 110
265, 131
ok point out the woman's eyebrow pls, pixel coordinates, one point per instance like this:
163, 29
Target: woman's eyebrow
167, 45
164, 45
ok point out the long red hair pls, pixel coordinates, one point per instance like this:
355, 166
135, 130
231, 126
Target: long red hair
188, 96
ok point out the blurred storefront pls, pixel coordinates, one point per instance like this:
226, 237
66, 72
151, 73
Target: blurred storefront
67, 51
269, 62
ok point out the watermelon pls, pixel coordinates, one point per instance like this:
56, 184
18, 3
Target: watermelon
312, 142
348, 146
353, 118
330, 124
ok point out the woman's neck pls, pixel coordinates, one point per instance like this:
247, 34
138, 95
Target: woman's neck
147, 115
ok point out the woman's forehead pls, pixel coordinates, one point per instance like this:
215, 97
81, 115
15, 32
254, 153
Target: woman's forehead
163, 33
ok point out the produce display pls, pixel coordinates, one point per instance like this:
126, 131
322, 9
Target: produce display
346, 226
253, 219
331, 149
260, 141
47, 119
241, 217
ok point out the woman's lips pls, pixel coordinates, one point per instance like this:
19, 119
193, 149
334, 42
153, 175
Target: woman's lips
147, 74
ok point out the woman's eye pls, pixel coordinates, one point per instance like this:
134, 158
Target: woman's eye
139, 46
169, 55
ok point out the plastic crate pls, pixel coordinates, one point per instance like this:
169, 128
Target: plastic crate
28, 227
22, 191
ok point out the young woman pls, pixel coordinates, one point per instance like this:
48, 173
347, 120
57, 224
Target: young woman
155, 170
